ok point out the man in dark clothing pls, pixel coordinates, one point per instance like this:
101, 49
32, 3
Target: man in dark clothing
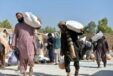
106, 48
100, 49
65, 48
50, 47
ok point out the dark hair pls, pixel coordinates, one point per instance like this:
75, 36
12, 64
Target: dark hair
18, 13
104, 37
49, 34
4, 30
61, 23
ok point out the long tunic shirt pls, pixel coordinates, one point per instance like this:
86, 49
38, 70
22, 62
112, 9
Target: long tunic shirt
24, 39
100, 49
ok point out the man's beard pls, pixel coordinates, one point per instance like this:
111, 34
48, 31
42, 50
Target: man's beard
21, 20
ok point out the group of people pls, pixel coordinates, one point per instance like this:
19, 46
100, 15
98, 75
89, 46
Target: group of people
101, 48
95, 50
98, 48
24, 39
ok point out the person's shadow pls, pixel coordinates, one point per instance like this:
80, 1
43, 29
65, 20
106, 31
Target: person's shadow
43, 74
3, 69
34, 74
8, 74
103, 73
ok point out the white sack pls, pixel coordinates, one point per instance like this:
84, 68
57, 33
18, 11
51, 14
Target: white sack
12, 59
31, 20
74, 26
83, 39
88, 43
97, 36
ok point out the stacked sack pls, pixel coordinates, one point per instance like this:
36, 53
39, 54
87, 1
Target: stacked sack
97, 36
31, 20
75, 26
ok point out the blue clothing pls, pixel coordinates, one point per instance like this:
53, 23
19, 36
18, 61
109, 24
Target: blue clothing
50, 48
57, 43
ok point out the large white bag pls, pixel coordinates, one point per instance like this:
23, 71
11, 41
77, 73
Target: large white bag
31, 20
83, 39
12, 59
97, 36
74, 26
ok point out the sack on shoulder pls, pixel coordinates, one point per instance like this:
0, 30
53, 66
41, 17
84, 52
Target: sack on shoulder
31, 20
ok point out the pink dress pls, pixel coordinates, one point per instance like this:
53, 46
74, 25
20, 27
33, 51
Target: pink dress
24, 39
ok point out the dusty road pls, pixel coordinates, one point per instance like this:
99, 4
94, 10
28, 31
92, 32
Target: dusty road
88, 68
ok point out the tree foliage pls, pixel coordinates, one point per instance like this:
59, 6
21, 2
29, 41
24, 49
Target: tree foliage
5, 24
90, 27
103, 26
47, 29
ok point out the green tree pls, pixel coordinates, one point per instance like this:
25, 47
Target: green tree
5, 24
47, 29
90, 27
103, 26
41, 30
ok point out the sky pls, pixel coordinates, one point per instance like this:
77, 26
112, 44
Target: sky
52, 11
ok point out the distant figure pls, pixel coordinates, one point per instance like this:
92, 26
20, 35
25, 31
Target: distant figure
100, 50
24, 40
88, 49
50, 47
5, 31
7, 35
4, 38
57, 46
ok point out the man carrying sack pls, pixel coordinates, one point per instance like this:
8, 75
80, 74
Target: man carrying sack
69, 47
24, 40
